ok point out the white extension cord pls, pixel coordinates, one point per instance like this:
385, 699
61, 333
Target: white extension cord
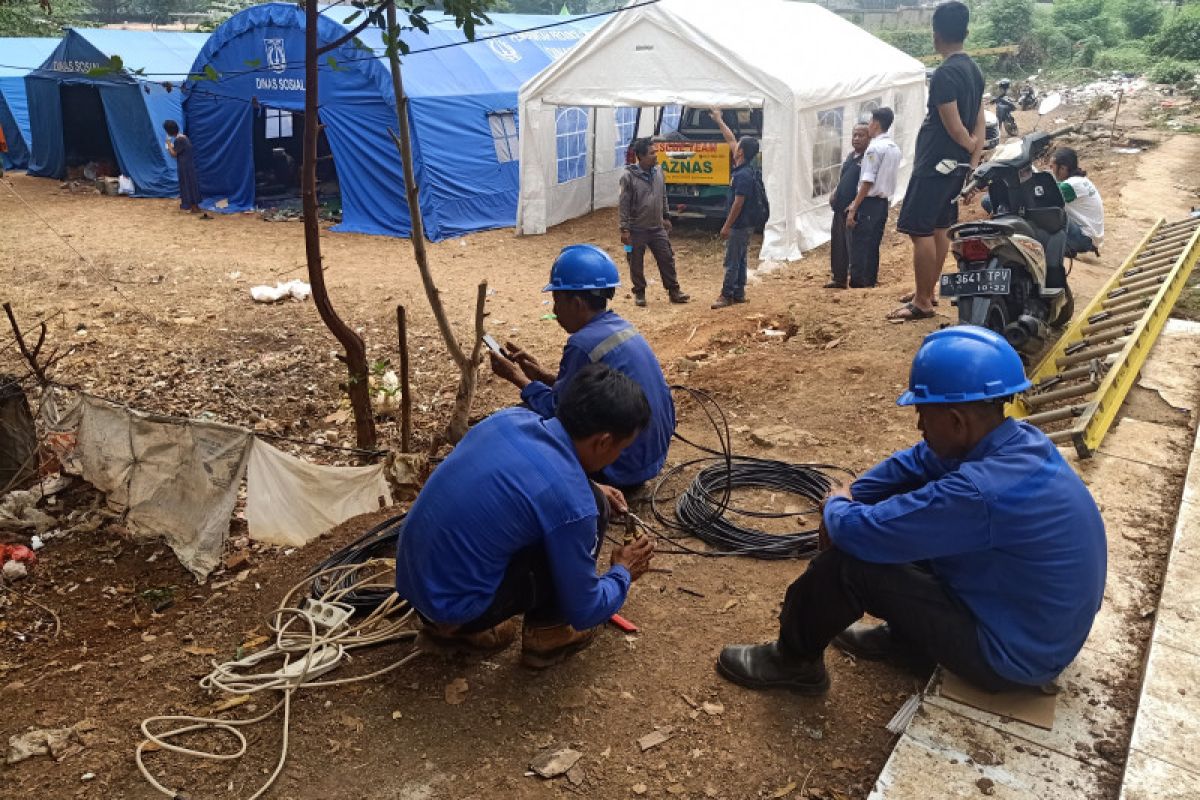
311, 641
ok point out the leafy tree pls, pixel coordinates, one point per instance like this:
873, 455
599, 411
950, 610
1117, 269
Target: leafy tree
34, 18
1142, 18
1085, 19
1010, 21
1180, 37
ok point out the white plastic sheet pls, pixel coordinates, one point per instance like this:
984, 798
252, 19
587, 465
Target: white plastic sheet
173, 478
290, 502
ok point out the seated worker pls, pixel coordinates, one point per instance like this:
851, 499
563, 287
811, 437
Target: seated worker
583, 280
980, 547
1085, 208
510, 524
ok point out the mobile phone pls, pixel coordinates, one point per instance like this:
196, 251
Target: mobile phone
494, 346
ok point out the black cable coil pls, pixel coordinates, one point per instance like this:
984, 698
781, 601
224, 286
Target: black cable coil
379, 542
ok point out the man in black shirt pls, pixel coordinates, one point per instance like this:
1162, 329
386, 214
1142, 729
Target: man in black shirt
953, 129
839, 201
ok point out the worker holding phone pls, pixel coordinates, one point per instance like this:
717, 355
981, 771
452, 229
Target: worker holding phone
583, 279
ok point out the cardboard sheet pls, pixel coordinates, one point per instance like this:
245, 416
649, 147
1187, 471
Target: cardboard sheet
1031, 706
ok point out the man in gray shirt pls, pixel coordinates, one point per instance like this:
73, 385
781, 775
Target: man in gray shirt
644, 223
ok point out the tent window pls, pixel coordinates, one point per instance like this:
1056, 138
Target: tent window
504, 135
670, 119
279, 124
571, 129
827, 151
867, 106
626, 127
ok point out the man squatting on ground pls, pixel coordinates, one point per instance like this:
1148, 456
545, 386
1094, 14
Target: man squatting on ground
510, 524
583, 280
867, 214
645, 224
839, 200
736, 231
953, 129
980, 547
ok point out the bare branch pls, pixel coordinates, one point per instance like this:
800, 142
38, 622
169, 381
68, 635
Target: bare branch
30, 356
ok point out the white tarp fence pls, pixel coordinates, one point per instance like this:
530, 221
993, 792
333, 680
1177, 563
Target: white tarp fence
796, 61
290, 501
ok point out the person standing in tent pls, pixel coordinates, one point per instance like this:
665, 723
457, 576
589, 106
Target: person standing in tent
953, 130
839, 201
744, 193
180, 146
866, 217
583, 280
644, 223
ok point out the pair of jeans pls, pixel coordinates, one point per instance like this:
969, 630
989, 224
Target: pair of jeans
736, 247
528, 584
865, 239
839, 248
837, 589
1077, 241
658, 243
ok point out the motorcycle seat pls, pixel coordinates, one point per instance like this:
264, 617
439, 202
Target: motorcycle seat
1013, 225
1051, 220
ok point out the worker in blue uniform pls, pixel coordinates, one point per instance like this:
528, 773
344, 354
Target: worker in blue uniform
980, 547
583, 280
510, 524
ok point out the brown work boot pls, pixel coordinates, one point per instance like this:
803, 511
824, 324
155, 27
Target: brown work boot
546, 646
488, 641
723, 302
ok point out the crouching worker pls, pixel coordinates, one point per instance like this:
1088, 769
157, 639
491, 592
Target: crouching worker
583, 280
510, 524
980, 547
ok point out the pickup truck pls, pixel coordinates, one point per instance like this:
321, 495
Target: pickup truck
696, 161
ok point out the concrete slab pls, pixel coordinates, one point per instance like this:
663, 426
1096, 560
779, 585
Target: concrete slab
1149, 778
1165, 446
1168, 721
947, 756
1178, 623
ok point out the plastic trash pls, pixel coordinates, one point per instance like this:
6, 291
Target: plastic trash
273, 294
124, 185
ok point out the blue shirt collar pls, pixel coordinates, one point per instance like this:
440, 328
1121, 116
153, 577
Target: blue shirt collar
989, 444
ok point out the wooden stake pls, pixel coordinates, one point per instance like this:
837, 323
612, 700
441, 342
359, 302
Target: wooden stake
405, 393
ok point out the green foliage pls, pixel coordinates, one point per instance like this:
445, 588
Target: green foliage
1086, 19
30, 18
1008, 21
1172, 71
1142, 18
1129, 57
1180, 38
914, 41
1086, 50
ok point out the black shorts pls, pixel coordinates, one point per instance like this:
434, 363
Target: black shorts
929, 204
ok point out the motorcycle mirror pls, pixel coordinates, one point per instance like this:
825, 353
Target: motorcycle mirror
946, 166
1051, 102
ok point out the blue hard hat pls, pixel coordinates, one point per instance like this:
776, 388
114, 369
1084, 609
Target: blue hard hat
964, 364
580, 267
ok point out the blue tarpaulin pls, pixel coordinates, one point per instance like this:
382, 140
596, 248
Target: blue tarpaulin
18, 57
462, 101
131, 107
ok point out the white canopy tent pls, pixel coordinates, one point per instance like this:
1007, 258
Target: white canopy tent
812, 72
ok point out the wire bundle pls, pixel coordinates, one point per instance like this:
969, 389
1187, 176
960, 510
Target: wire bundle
377, 543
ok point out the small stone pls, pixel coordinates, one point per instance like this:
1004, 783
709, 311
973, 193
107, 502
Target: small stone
654, 739
697, 355
553, 763
87, 776
638, 788
575, 775
713, 709
986, 785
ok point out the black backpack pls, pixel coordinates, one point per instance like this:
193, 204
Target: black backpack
758, 209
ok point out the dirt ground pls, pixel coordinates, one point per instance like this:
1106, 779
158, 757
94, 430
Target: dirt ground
154, 307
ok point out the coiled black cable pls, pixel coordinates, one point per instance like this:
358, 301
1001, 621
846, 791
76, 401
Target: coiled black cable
378, 542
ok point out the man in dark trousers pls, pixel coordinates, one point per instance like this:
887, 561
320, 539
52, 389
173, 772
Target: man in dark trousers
743, 189
867, 215
644, 223
510, 524
980, 547
839, 201
582, 280
953, 130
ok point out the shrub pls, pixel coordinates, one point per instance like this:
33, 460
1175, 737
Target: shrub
1008, 21
1172, 71
1142, 18
914, 41
1086, 50
1180, 38
1126, 58
1084, 19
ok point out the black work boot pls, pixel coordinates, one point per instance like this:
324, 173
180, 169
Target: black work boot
639, 299
678, 296
868, 642
764, 666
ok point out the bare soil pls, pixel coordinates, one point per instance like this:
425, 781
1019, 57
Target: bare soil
154, 308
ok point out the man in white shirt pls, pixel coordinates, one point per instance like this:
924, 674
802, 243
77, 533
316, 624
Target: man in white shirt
1085, 208
867, 215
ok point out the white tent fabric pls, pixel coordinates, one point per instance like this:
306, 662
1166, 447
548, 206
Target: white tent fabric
812, 72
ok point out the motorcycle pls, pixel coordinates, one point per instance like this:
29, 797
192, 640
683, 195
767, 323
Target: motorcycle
1011, 268
991, 128
1004, 109
1029, 97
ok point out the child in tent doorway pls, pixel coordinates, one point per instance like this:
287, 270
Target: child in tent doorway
180, 146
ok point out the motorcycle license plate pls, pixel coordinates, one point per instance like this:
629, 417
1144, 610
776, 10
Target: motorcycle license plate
977, 281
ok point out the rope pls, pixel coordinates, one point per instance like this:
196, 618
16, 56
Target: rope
310, 642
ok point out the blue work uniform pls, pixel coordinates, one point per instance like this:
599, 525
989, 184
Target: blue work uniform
612, 340
513, 482
1010, 530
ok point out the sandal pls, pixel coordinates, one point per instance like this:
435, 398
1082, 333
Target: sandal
909, 313
908, 298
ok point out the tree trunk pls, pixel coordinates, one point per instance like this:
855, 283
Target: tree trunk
468, 365
357, 387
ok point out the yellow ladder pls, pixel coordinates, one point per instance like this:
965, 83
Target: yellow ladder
1080, 385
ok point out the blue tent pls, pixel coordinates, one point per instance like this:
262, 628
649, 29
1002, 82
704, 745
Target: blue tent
20, 56
462, 105
77, 117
